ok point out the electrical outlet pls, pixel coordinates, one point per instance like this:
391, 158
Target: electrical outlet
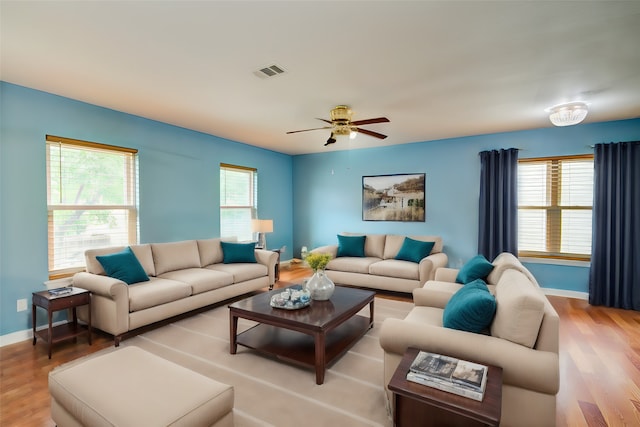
22, 304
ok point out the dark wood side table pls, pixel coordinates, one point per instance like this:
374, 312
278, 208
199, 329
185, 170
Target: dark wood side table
51, 303
417, 403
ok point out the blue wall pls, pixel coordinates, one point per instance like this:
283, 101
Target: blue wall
179, 183
328, 188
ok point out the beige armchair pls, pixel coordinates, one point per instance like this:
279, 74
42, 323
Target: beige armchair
523, 340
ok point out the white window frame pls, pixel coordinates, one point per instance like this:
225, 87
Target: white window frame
553, 209
245, 234
130, 197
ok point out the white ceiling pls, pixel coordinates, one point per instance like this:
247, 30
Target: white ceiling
436, 69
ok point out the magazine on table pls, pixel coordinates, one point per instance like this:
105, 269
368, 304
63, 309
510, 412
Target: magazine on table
449, 374
61, 291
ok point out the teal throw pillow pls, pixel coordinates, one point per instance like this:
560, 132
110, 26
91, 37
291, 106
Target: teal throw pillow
351, 246
470, 309
123, 266
476, 268
414, 250
238, 252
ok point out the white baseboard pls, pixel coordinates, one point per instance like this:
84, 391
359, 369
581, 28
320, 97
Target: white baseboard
566, 294
24, 335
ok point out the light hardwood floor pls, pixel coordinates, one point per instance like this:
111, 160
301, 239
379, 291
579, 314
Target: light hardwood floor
599, 365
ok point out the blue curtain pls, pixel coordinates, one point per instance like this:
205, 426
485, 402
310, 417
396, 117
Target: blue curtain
614, 278
498, 227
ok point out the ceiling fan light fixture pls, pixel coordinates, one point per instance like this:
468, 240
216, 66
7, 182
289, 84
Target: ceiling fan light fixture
341, 113
568, 114
353, 133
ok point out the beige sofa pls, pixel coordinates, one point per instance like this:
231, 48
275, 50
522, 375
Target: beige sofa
523, 340
379, 269
184, 276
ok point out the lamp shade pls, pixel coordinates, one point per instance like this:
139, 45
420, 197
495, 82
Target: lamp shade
570, 113
262, 225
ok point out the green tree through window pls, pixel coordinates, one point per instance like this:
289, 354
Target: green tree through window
92, 200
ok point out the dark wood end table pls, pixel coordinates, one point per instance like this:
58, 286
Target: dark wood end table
432, 407
52, 303
313, 336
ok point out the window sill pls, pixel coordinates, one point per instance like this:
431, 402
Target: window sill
555, 261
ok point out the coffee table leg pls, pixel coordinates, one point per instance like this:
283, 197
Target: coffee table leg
321, 360
233, 338
371, 314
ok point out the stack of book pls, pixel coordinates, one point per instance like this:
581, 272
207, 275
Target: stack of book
449, 374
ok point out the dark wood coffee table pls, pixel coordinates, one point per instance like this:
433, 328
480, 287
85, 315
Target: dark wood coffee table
313, 336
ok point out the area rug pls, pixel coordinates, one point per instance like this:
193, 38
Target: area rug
269, 392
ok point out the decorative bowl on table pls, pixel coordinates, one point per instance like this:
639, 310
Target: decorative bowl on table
291, 299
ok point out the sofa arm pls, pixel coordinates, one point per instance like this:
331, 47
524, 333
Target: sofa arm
429, 264
102, 285
270, 259
328, 249
522, 367
109, 302
445, 274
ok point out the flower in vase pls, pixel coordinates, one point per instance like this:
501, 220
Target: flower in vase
318, 261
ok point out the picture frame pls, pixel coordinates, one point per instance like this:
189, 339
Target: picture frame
397, 197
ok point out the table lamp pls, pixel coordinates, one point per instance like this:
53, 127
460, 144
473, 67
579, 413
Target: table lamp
262, 226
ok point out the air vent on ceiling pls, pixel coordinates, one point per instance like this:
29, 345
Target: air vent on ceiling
270, 71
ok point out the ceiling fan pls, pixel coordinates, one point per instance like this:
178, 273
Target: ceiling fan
341, 124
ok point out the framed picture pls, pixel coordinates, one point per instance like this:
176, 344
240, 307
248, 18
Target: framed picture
397, 197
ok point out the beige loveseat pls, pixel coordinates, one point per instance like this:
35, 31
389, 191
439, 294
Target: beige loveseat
379, 269
184, 276
523, 340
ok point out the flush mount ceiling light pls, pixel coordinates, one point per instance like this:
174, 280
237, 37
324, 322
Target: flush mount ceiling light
567, 114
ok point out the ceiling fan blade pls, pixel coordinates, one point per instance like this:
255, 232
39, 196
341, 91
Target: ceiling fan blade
370, 121
371, 133
325, 120
305, 130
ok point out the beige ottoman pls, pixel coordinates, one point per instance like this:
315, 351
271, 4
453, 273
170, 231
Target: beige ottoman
132, 387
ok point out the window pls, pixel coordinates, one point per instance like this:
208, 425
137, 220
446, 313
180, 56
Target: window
238, 201
91, 200
555, 197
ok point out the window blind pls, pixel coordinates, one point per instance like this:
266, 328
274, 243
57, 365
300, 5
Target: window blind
555, 197
91, 200
238, 201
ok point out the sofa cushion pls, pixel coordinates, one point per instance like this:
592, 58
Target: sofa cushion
175, 256
373, 244
200, 279
393, 243
155, 292
414, 250
352, 264
142, 252
123, 266
395, 268
425, 315
241, 272
470, 309
520, 309
238, 252
210, 250
351, 246
476, 268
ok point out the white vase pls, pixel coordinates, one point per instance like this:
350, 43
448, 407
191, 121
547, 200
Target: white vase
320, 286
